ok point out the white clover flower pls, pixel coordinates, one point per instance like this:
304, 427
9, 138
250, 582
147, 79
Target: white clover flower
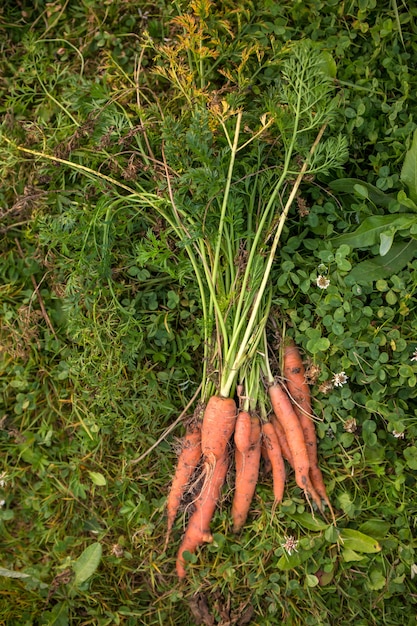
414, 357
2, 503
117, 550
413, 570
397, 435
326, 386
350, 425
322, 282
339, 379
290, 545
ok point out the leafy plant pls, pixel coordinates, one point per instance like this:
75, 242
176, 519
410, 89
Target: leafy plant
381, 229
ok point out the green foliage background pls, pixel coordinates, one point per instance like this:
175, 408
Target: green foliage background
90, 382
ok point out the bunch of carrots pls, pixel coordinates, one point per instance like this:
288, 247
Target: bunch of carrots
288, 434
232, 234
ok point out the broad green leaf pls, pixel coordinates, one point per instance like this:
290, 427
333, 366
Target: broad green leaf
368, 233
87, 563
98, 479
346, 503
358, 542
342, 251
405, 200
410, 455
377, 528
328, 64
386, 241
290, 561
382, 267
189, 557
331, 534
368, 433
350, 555
58, 615
219, 540
325, 578
312, 580
376, 580
9, 573
173, 299
362, 189
319, 344
306, 520
409, 169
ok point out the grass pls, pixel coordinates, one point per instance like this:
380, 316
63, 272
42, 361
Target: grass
101, 333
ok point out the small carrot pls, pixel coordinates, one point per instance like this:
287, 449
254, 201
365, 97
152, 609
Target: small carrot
294, 374
218, 425
187, 462
299, 392
289, 421
242, 435
283, 443
275, 456
198, 528
247, 460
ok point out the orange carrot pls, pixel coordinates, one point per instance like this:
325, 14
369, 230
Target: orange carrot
242, 436
283, 443
264, 453
187, 462
289, 421
198, 528
218, 425
247, 460
277, 461
299, 392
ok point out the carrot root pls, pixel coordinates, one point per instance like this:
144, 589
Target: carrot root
187, 462
218, 425
282, 439
299, 392
242, 435
277, 462
198, 528
290, 423
247, 472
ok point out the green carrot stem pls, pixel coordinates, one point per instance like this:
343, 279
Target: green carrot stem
226, 198
85, 170
259, 296
240, 320
223, 337
251, 387
266, 367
